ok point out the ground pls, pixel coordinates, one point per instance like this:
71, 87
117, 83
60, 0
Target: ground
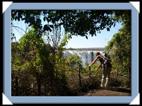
105, 92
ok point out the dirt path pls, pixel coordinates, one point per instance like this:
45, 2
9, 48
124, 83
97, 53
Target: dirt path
103, 92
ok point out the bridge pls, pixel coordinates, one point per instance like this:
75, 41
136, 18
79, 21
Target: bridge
85, 49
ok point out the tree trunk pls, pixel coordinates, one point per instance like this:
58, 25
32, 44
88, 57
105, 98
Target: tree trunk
38, 84
17, 89
79, 76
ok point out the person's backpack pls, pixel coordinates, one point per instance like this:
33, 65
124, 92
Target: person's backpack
108, 59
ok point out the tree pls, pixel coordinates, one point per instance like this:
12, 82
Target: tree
29, 59
76, 22
36, 69
119, 48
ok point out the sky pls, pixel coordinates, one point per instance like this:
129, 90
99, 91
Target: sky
100, 40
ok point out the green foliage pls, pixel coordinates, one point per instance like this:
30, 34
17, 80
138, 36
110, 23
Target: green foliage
64, 41
77, 22
74, 61
119, 49
41, 65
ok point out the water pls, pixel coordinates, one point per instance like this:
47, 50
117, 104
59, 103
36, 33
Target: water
86, 56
